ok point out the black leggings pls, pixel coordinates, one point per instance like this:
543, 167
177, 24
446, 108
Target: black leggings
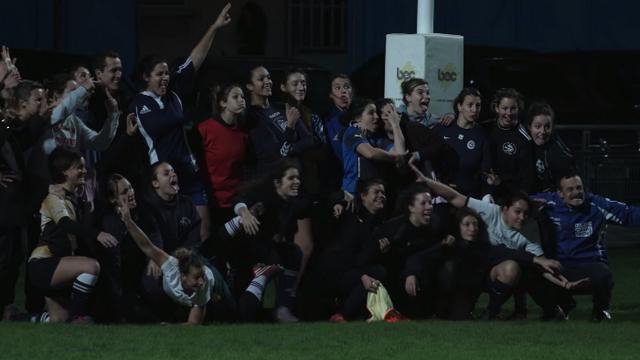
458, 288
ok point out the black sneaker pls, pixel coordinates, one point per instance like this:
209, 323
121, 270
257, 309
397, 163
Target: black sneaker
557, 314
601, 316
568, 307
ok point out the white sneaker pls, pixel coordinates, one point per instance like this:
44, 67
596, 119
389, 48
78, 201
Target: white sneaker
284, 315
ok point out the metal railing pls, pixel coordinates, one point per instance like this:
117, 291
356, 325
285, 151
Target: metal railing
608, 158
317, 25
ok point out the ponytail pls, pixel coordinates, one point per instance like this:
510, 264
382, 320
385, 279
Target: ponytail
187, 259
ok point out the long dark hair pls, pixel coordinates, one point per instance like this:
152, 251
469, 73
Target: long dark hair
288, 72
540, 108
468, 91
145, 67
507, 93
264, 185
462, 213
60, 160
221, 93
356, 109
305, 111
408, 196
112, 187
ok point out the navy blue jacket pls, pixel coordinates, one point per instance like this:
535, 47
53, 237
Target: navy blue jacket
580, 232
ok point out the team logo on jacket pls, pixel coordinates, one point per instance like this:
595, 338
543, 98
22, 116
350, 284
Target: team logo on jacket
185, 221
540, 166
509, 148
471, 144
144, 110
583, 230
279, 121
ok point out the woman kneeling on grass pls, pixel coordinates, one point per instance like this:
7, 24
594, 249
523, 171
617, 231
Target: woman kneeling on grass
54, 267
186, 277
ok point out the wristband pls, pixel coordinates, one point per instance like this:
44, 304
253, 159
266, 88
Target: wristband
236, 209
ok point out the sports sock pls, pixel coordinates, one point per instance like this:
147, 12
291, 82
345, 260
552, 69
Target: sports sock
286, 288
520, 302
232, 226
82, 288
498, 294
256, 287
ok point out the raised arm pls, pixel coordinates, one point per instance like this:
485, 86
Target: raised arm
200, 51
157, 255
389, 114
101, 140
453, 197
617, 212
71, 102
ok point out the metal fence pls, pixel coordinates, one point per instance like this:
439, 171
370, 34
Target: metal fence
608, 158
317, 25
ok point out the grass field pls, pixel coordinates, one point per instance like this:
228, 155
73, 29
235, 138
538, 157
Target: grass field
530, 339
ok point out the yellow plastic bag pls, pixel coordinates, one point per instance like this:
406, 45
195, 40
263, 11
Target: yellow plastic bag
379, 304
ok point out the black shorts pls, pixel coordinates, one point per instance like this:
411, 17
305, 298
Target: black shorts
40, 272
497, 255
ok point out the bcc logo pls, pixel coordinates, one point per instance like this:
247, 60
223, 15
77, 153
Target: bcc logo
406, 72
447, 76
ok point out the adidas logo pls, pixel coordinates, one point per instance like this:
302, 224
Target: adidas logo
144, 110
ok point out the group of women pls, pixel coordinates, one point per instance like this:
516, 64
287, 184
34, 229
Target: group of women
275, 191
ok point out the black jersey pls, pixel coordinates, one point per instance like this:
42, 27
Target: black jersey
406, 243
272, 139
472, 147
512, 157
552, 160
177, 220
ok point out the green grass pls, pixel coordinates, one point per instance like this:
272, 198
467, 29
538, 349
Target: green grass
530, 339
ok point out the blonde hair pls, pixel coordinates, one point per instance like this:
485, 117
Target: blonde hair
187, 259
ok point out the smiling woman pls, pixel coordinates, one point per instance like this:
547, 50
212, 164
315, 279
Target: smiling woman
513, 256
276, 131
364, 152
510, 144
53, 264
552, 157
279, 231
339, 273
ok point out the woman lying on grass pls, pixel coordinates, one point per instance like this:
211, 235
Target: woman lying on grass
188, 279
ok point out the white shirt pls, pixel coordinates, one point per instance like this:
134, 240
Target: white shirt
499, 232
173, 286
